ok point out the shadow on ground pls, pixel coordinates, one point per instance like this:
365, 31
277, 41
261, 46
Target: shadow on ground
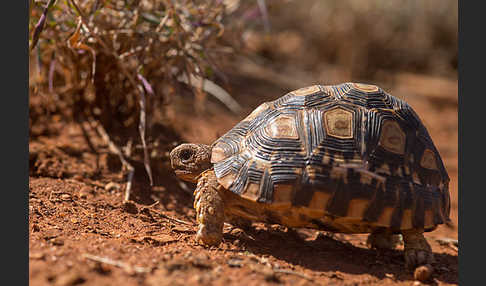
323, 253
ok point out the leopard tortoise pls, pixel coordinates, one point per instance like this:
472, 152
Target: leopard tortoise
347, 158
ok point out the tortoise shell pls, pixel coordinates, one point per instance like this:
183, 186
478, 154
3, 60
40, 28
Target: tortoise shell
347, 151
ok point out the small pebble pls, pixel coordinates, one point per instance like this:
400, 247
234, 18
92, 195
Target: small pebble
423, 273
69, 279
78, 177
65, 197
218, 269
130, 207
36, 255
112, 186
235, 262
57, 241
84, 192
236, 232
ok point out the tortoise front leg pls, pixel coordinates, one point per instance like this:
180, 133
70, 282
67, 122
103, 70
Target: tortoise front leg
209, 207
417, 249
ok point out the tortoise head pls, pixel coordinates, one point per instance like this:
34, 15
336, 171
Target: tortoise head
190, 160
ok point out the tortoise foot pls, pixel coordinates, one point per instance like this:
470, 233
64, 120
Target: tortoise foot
417, 251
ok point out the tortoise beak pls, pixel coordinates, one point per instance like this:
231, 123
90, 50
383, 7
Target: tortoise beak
186, 176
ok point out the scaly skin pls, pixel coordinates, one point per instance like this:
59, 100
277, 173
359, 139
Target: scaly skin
209, 207
382, 239
417, 249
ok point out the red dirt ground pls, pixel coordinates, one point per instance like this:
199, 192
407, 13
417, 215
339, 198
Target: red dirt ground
81, 233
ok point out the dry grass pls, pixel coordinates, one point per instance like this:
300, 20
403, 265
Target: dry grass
100, 58
116, 64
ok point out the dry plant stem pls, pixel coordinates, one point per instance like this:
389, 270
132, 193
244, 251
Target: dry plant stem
40, 24
142, 125
132, 82
141, 130
75, 43
172, 219
153, 205
285, 271
52, 67
185, 188
162, 23
263, 9
113, 148
116, 263
213, 89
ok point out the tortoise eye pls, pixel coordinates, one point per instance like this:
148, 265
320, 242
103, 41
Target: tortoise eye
186, 155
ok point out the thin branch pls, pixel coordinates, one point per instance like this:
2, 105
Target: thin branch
172, 219
117, 263
74, 42
52, 67
213, 89
142, 124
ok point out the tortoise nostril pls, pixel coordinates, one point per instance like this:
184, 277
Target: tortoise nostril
186, 155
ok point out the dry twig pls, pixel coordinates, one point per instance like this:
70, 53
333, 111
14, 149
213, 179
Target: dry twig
213, 89
142, 124
286, 271
128, 268
172, 219
263, 10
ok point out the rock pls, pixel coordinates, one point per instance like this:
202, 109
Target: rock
84, 192
112, 186
423, 273
130, 207
69, 279
235, 262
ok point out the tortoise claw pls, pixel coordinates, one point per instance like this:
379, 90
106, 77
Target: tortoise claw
207, 236
418, 257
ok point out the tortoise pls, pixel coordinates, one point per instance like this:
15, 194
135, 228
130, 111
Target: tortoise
346, 158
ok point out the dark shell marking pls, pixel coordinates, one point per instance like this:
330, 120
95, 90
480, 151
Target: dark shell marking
350, 152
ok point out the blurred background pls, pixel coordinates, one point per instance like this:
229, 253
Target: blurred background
150, 74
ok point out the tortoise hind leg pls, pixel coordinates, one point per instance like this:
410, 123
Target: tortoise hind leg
417, 249
209, 207
383, 238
